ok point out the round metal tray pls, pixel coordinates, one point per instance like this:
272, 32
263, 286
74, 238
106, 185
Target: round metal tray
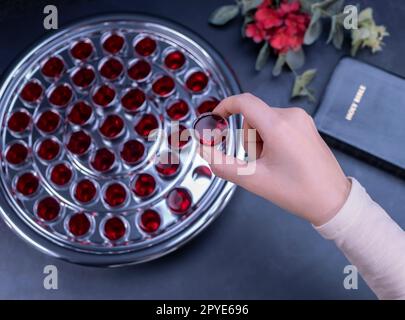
125, 240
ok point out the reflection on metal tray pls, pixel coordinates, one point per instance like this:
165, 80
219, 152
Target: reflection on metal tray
80, 179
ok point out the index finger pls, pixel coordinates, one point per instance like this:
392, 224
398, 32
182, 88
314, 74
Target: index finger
256, 112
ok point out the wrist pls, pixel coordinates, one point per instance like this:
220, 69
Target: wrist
332, 203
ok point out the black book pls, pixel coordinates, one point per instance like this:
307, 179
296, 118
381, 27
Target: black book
363, 113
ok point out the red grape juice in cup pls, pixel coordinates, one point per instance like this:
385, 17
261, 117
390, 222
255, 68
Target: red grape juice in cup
210, 129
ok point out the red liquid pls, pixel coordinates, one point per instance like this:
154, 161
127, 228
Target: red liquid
163, 86
133, 100
61, 174
112, 126
31, 91
210, 129
79, 224
19, 121
79, 143
202, 171
82, 50
146, 125
140, 70
84, 77
53, 67
48, 121
197, 81
85, 191
104, 95
115, 195
113, 43
132, 151
179, 200
114, 229
175, 60
150, 221
48, 209
27, 184
61, 95
145, 47
17, 153
48, 149
111, 69
207, 106
168, 164
80, 113
178, 110
145, 185
103, 160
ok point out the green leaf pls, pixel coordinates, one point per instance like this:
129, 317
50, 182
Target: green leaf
262, 57
314, 29
248, 19
333, 25
224, 14
329, 7
295, 59
306, 6
336, 8
340, 17
336, 34
278, 66
304, 79
248, 5
338, 37
300, 88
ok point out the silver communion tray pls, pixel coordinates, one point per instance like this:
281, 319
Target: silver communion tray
80, 179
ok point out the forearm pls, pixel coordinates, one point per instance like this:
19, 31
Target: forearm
288, 150
371, 241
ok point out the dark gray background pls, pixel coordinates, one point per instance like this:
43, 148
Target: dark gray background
254, 250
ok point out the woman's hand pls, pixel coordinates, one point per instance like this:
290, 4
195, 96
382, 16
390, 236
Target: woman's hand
292, 166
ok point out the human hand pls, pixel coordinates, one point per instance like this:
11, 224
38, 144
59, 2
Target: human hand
293, 166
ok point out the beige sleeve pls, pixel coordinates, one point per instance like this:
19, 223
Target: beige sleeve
372, 241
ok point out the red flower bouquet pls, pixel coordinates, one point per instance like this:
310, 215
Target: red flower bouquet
284, 27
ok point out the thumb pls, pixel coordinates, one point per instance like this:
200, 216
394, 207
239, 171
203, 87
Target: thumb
226, 166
